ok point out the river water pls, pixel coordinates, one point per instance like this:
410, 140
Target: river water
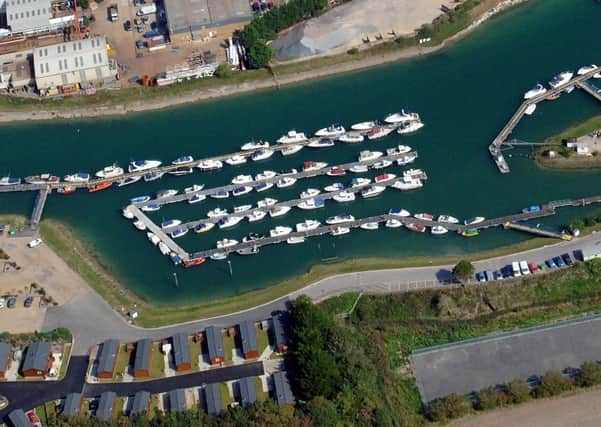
464, 95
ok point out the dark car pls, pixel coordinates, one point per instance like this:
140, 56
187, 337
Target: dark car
567, 259
28, 302
480, 276
140, 44
127, 25
12, 301
558, 261
550, 263
507, 272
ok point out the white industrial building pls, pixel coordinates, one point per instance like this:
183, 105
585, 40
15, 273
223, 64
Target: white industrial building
33, 16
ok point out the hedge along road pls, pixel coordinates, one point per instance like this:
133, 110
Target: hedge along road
92, 320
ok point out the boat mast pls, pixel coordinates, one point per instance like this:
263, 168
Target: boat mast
175, 279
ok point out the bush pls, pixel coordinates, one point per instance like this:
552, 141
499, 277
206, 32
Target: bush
594, 267
519, 392
259, 55
577, 225
457, 406
488, 398
590, 374
437, 411
224, 71
353, 51
463, 270
552, 384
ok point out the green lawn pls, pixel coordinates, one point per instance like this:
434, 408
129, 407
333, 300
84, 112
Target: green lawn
157, 364
262, 339
226, 399
124, 359
119, 407
341, 304
261, 395
65, 363
194, 353
228, 346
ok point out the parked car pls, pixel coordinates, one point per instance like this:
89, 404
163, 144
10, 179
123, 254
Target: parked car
140, 44
542, 266
558, 261
12, 301
34, 419
550, 263
2, 302
524, 268
534, 268
480, 276
507, 272
28, 302
498, 275
567, 259
35, 243
127, 25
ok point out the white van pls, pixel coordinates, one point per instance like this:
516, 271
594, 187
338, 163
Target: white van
147, 10
516, 269
524, 268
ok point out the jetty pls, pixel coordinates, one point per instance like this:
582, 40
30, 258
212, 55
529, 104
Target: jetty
537, 231
495, 148
38, 208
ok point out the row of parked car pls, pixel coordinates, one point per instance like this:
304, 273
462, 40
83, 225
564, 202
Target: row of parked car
11, 302
524, 268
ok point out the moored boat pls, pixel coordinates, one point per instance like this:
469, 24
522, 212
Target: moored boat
279, 211
242, 179
372, 191
181, 171
310, 165
127, 214
293, 240
163, 194
241, 191
403, 116
153, 238
337, 186
309, 204
351, 138
385, 177
291, 149
424, 216
447, 218
261, 155
170, 223
367, 155
339, 219
218, 256
280, 231
217, 213
321, 143
265, 175
360, 182
78, 177
229, 221
307, 225
142, 165
417, 227
235, 160
399, 212
379, 132
364, 126
530, 109
183, 160
474, 220
7, 180
309, 193
210, 165
111, 171
242, 208
470, 232
266, 202
127, 181
164, 248
382, 164
99, 187
153, 176
193, 189
65, 190
344, 197
203, 227
333, 130
407, 183
370, 226
263, 186
409, 127
286, 182
179, 232
561, 79
196, 198
256, 216
393, 223
140, 225
537, 90
586, 69
255, 145
153, 207
339, 231
44, 178
226, 243
438, 230
194, 262
336, 172
291, 137
359, 168
139, 199
220, 194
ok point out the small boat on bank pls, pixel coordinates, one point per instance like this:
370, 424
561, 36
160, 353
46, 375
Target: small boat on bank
291, 137
236, 160
78, 177
291, 149
99, 187
142, 165
255, 145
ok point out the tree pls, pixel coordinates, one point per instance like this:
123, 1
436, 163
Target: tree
463, 270
84, 4
594, 267
224, 71
322, 411
590, 374
259, 55
457, 406
437, 411
577, 225
519, 392
552, 384
488, 398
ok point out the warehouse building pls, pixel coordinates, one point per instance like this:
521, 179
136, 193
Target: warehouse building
34, 16
213, 399
71, 405
141, 403
247, 391
106, 405
282, 389
142, 358
279, 322
177, 400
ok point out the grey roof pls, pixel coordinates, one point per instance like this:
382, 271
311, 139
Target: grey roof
140, 403
283, 391
280, 321
72, 404
22, 16
177, 400
105, 405
107, 355
213, 399
181, 349
18, 418
248, 391
192, 15
248, 336
36, 356
4, 356
214, 342
142, 359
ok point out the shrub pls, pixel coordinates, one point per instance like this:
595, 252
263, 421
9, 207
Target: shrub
353, 51
552, 384
463, 270
437, 411
488, 398
224, 71
594, 267
519, 392
590, 374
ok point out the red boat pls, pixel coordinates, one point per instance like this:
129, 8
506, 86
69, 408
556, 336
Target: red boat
98, 187
336, 172
66, 190
194, 262
384, 177
414, 226
553, 97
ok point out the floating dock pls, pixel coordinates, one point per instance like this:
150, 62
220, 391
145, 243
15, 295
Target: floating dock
38, 208
537, 231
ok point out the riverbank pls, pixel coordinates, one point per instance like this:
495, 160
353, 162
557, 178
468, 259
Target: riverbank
116, 103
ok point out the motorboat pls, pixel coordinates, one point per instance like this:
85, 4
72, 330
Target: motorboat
385, 177
569, 89
447, 218
280, 231
142, 165
194, 262
393, 223
351, 138
403, 116
78, 177
66, 190
181, 171
359, 168
210, 165
153, 176
175, 258
203, 227
170, 223
217, 213
409, 127
229, 221
372, 191
289, 150
235, 160
321, 143
360, 182
255, 145
474, 220
242, 179
285, 182
339, 231
561, 79
163, 194
288, 172
127, 214
263, 186
407, 183
308, 224
266, 202
196, 198
399, 149
586, 69
424, 216
139, 199
530, 109
153, 238
379, 132
382, 164
309, 204
310, 165
364, 126
406, 159
309, 193
256, 216
344, 197
265, 175
7, 180
279, 211
111, 171
415, 173
218, 256
333, 130
179, 232
337, 186
242, 208
417, 227
339, 219
44, 178
293, 240
399, 212
164, 248
370, 226
220, 194
291, 137
194, 189
241, 191
336, 172
253, 250
226, 243
439, 229
261, 155
183, 160
140, 225
366, 155
537, 90
252, 237
127, 181
153, 207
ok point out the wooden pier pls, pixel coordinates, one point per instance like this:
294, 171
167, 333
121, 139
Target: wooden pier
537, 231
38, 208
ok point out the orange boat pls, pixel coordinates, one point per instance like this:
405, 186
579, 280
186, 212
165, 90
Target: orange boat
98, 187
553, 96
193, 262
66, 190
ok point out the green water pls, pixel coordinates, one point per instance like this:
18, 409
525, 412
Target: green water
464, 94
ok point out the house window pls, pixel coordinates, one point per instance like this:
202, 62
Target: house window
47, 68
65, 64
75, 61
81, 61
41, 68
60, 66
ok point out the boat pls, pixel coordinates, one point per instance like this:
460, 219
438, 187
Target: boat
65, 190
280, 231
415, 173
407, 183
111, 171
333, 130
399, 212
308, 224
242, 179
293, 240
344, 197
265, 175
139, 199
267, 202
447, 218
217, 213
170, 223
409, 127
255, 145
279, 211
359, 168
163, 194
586, 69
309, 204
366, 155
153, 238
140, 225
196, 198
406, 159
253, 250
364, 126
393, 223
218, 256
382, 164
553, 96
351, 138
204, 227
195, 188
127, 181
561, 79
263, 186
438, 230
175, 258
339, 219
235, 160
261, 155
241, 191
309, 193
7, 180
229, 221
379, 132
210, 165
336, 172
537, 90
532, 208
153, 176
127, 214
150, 208
142, 165
414, 226
570, 89
182, 160
399, 149
470, 232
291, 149
385, 177
474, 220
337, 186
339, 231
424, 216
44, 178
404, 116
360, 182
372, 191
181, 171
99, 187
286, 182
226, 243
194, 262
321, 143
291, 137
78, 177
220, 194
179, 232
530, 109
256, 216
310, 165
164, 248
242, 208
369, 226
288, 172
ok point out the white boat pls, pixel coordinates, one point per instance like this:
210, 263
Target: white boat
293, 240
261, 155
163, 194
339, 231
216, 213
367, 155
263, 186
570, 89
351, 138
364, 126
291, 137
586, 69
164, 248
310, 204
447, 218
218, 256
194, 189
310, 166
279, 211
360, 182
407, 183
210, 165
359, 168
291, 149
530, 109
385, 177
415, 173
308, 224
241, 191
286, 182
252, 237
409, 127
7, 180
142, 165
561, 79
110, 172
140, 225
475, 220
344, 197
292, 171
403, 213
406, 159
236, 159
153, 176
242, 208
220, 194
229, 221
265, 175
372, 191
256, 216
153, 238
255, 145
339, 219
439, 229
179, 232
337, 186
253, 250
333, 130
539, 89
382, 164
309, 193
393, 223
127, 214
424, 216
379, 132
78, 177
321, 143
404, 116
183, 160
336, 172
203, 227
170, 223
399, 149
266, 202
370, 226
127, 181
226, 243
153, 207
242, 179
280, 231
196, 198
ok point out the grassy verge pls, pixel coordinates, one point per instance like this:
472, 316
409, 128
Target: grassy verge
226, 399
341, 304
65, 362
194, 353
124, 360
157, 365
262, 339
228, 347
261, 395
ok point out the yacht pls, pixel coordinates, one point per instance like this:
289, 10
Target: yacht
253, 250
256, 216
241, 191
170, 223
291, 149
235, 160
539, 89
586, 69
364, 126
309, 193
291, 137
385, 177
255, 145
360, 182
382, 164
359, 168
414, 226
217, 213
194, 189
142, 165
226, 243
404, 116
406, 159
351, 138
561, 79
309, 204
261, 155
336, 172
337, 186
333, 130
286, 182
139, 199
127, 214
415, 173
182, 160
288, 172
474, 220
7, 180
409, 127
310, 165
229, 221
196, 198
153, 238
344, 197
308, 224
78, 177
153, 207
252, 237
424, 216
280, 231
379, 132
447, 218
163, 194
164, 248
179, 232
399, 212
279, 211
293, 240
393, 223
370, 226
127, 181
321, 143
140, 225
372, 191
367, 155
242, 179
204, 227
153, 176
263, 186
210, 165
181, 171
339, 219
266, 202
339, 231
407, 183
265, 175
242, 208
110, 172
218, 256
399, 149
220, 194
439, 229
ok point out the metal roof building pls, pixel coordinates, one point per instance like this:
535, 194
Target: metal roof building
248, 336
283, 391
142, 358
187, 16
214, 344
247, 388
5, 350
177, 400
181, 352
213, 399
140, 403
36, 359
280, 321
72, 404
105, 405
107, 358
26, 16
18, 418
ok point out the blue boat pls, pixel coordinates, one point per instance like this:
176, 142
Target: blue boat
221, 194
153, 207
183, 160
240, 191
127, 181
533, 208
139, 199
179, 232
175, 259
153, 176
